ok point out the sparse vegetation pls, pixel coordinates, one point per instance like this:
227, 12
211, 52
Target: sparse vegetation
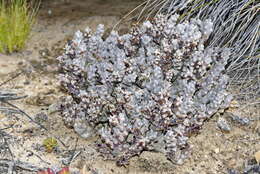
16, 20
50, 144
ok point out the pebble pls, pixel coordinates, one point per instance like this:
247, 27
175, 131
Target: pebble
223, 125
257, 157
217, 150
44, 53
53, 108
49, 12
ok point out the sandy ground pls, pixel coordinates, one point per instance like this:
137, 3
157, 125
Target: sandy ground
213, 150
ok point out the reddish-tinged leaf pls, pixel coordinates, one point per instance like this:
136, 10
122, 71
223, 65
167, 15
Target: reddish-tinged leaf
64, 170
50, 171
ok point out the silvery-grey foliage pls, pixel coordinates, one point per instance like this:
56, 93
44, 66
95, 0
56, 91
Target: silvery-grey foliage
146, 90
236, 25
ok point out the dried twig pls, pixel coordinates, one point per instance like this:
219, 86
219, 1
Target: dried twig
74, 153
38, 156
12, 78
24, 113
19, 164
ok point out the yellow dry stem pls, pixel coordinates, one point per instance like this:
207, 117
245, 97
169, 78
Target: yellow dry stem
16, 20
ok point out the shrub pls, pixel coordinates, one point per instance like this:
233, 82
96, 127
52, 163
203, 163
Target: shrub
146, 90
16, 20
236, 25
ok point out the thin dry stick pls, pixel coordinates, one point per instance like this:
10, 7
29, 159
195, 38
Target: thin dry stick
74, 153
128, 14
19, 111
19, 164
12, 78
24, 113
38, 156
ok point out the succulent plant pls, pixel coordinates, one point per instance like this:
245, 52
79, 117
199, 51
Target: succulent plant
149, 89
236, 25
50, 144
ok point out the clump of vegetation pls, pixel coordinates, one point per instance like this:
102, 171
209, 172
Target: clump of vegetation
150, 89
50, 144
16, 20
236, 25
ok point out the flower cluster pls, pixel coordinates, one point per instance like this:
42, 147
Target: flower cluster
147, 90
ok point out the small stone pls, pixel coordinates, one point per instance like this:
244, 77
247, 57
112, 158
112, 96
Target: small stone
217, 150
44, 53
257, 157
49, 12
223, 125
2, 116
53, 108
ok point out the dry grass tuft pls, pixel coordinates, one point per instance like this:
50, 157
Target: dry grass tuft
16, 20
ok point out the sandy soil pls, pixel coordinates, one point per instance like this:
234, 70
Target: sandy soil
213, 150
